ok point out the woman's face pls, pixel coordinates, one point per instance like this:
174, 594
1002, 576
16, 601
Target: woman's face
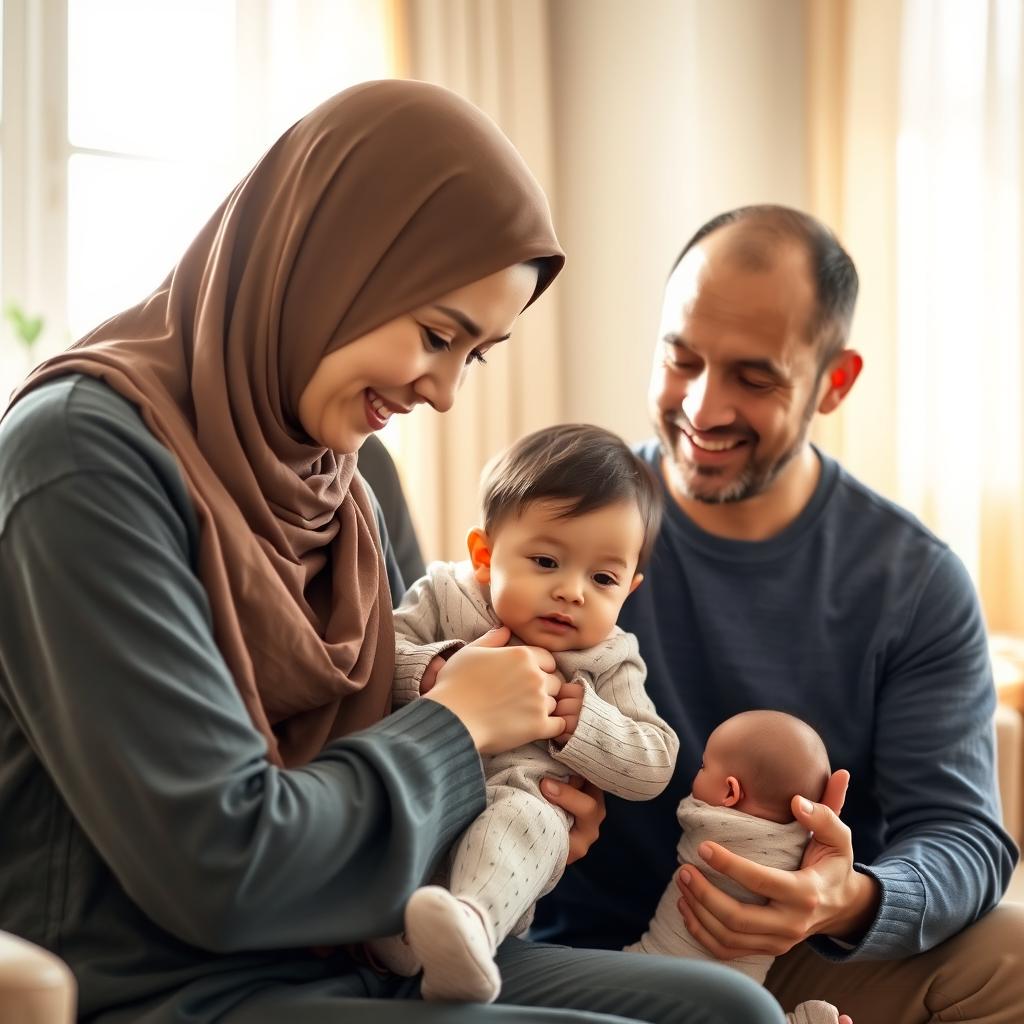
419, 357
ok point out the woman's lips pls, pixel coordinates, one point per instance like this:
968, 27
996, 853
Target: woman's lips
378, 410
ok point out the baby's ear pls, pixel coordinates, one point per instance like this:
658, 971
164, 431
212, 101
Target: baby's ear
733, 792
638, 578
480, 554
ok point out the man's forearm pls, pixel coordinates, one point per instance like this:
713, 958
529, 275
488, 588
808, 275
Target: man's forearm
860, 912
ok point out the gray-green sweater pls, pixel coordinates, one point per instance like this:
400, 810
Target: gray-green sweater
144, 837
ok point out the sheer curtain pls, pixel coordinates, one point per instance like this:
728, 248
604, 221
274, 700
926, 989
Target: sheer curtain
495, 53
105, 185
960, 234
916, 142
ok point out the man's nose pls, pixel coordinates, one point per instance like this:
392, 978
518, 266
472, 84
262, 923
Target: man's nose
707, 403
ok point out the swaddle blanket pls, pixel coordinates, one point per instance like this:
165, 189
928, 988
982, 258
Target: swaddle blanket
774, 844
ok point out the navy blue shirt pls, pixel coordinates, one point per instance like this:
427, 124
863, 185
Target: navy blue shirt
859, 620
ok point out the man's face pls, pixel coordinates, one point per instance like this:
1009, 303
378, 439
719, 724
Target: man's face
733, 387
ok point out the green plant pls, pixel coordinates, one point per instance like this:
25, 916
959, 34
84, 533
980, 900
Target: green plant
26, 328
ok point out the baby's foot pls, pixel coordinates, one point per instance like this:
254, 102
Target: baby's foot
396, 955
814, 1011
451, 941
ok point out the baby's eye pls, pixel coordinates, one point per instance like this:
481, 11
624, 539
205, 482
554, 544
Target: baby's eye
605, 579
545, 561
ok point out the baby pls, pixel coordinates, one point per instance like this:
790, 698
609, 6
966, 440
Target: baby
570, 515
754, 764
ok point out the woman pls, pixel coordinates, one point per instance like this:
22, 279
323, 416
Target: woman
198, 783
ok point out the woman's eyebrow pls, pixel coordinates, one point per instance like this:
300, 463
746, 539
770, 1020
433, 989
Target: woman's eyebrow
470, 327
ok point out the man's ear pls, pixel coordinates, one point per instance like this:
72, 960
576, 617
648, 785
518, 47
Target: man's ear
733, 792
638, 578
840, 376
480, 554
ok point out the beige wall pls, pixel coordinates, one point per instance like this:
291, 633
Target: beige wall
665, 113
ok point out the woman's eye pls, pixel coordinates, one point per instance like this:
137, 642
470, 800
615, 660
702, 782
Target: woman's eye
545, 561
604, 579
434, 341
476, 356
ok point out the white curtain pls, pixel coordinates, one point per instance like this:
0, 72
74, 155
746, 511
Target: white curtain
960, 245
915, 138
495, 53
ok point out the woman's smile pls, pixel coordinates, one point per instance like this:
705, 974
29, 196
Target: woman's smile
379, 411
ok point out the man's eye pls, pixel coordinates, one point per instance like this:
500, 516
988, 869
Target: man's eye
752, 384
434, 342
680, 365
605, 579
545, 561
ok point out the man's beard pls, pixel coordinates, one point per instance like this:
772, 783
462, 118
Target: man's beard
755, 477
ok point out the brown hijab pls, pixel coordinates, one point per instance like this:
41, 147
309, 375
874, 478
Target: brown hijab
385, 197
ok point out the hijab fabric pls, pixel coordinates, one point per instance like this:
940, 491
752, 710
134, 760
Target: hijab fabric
383, 198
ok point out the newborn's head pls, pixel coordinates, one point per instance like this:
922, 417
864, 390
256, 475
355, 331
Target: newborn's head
757, 761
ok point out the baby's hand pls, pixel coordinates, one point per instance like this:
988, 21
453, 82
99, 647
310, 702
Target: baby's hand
569, 706
430, 674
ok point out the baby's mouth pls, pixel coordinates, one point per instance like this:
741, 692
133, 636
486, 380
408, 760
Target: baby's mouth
557, 619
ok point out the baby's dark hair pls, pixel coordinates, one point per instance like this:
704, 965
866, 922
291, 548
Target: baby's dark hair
584, 466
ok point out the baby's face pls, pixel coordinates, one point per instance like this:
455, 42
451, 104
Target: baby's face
710, 783
559, 583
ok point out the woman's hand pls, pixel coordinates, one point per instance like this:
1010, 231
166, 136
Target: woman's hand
505, 696
585, 802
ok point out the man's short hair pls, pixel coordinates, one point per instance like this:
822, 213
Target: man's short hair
584, 466
833, 274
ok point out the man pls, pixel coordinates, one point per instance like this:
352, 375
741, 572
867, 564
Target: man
779, 581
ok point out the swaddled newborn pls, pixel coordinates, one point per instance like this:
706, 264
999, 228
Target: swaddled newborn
754, 764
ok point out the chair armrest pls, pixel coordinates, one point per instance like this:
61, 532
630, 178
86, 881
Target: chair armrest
36, 987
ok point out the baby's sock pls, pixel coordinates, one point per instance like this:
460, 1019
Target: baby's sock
814, 1011
451, 940
396, 955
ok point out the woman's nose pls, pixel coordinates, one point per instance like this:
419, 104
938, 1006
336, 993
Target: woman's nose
438, 387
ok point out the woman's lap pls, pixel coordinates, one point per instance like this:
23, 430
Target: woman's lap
540, 985
631, 985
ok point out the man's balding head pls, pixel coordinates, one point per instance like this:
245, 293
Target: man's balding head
759, 236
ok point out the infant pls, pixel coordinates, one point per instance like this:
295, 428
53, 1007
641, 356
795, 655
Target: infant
754, 764
570, 515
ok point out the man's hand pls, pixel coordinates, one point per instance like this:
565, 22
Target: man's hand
824, 896
569, 705
585, 802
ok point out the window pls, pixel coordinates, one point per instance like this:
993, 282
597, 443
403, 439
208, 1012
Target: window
125, 123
